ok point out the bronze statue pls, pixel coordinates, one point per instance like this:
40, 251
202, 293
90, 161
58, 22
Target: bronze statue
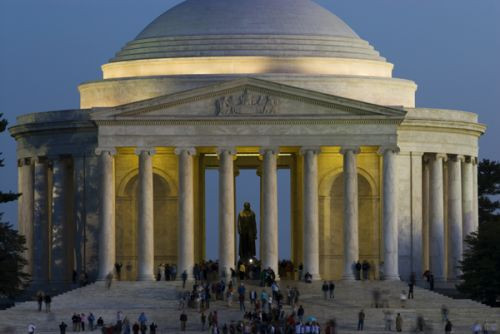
247, 229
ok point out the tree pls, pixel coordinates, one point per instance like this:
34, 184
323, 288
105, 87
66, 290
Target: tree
488, 180
12, 262
481, 263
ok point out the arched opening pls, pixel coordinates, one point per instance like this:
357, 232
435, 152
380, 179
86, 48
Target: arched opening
165, 225
368, 226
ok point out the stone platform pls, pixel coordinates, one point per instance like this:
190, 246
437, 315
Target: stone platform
159, 301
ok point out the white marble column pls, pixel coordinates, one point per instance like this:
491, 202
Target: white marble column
41, 222
351, 239
467, 194
269, 230
389, 213
436, 218
79, 211
145, 228
106, 213
475, 199
311, 209
454, 216
185, 254
425, 211
60, 261
226, 211
25, 208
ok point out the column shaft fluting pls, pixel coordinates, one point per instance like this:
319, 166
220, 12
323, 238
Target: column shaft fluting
186, 212
145, 244
226, 212
107, 215
25, 209
311, 209
60, 262
40, 223
454, 216
475, 203
269, 255
351, 241
467, 194
436, 218
389, 214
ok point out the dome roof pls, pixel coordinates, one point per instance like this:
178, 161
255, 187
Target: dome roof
247, 28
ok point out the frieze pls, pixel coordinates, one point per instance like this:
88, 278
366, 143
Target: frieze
247, 103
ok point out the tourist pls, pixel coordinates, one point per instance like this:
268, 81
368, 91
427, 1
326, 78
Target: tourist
203, 320
184, 277
152, 328
82, 322
100, 322
142, 319
62, 327
476, 328
183, 318
448, 327
253, 297
242, 271
308, 277
136, 328
241, 298
402, 298
47, 299
361, 320
74, 320
444, 313
299, 328
126, 326
31, 329
366, 269
300, 271
376, 297
39, 298
324, 288
431, 282
144, 328
420, 323
358, 268
410, 289
91, 320
173, 272
388, 320
109, 280
331, 289
399, 323
300, 313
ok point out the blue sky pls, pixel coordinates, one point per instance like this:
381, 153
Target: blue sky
451, 48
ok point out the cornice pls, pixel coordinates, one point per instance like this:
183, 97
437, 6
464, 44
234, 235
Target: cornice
239, 121
81, 126
476, 129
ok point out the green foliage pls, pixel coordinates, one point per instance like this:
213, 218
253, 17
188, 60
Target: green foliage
481, 263
12, 278
488, 180
12, 262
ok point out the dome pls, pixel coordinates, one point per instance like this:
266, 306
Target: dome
293, 28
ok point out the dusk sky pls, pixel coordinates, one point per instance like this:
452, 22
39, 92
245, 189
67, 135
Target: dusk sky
450, 48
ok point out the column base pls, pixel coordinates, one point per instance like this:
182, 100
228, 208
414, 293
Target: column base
148, 277
391, 278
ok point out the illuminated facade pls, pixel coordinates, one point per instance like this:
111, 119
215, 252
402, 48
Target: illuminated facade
247, 84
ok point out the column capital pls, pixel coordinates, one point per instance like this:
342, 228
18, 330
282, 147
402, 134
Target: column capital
456, 157
391, 148
189, 150
348, 148
272, 149
305, 149
105, 150
231, 150
24, 162
147, 150
435, 156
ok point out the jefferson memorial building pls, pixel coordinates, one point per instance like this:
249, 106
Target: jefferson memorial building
259, 84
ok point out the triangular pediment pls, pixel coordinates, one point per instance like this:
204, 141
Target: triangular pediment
247, 98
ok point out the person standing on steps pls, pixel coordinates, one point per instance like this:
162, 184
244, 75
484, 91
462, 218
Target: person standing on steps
184, 277
47, 299
203, 321
152, 328
118, 269
62, 327
39, 298
324, 288
358, 268
91, 320
183, 318
431, 281
366, 270
361, 320
300, 313
410, 289
331, 289
31, 329
399, 323
448, 327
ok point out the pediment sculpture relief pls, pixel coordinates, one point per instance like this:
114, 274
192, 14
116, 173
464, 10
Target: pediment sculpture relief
247, 103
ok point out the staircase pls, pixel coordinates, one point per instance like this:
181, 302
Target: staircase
159, 301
